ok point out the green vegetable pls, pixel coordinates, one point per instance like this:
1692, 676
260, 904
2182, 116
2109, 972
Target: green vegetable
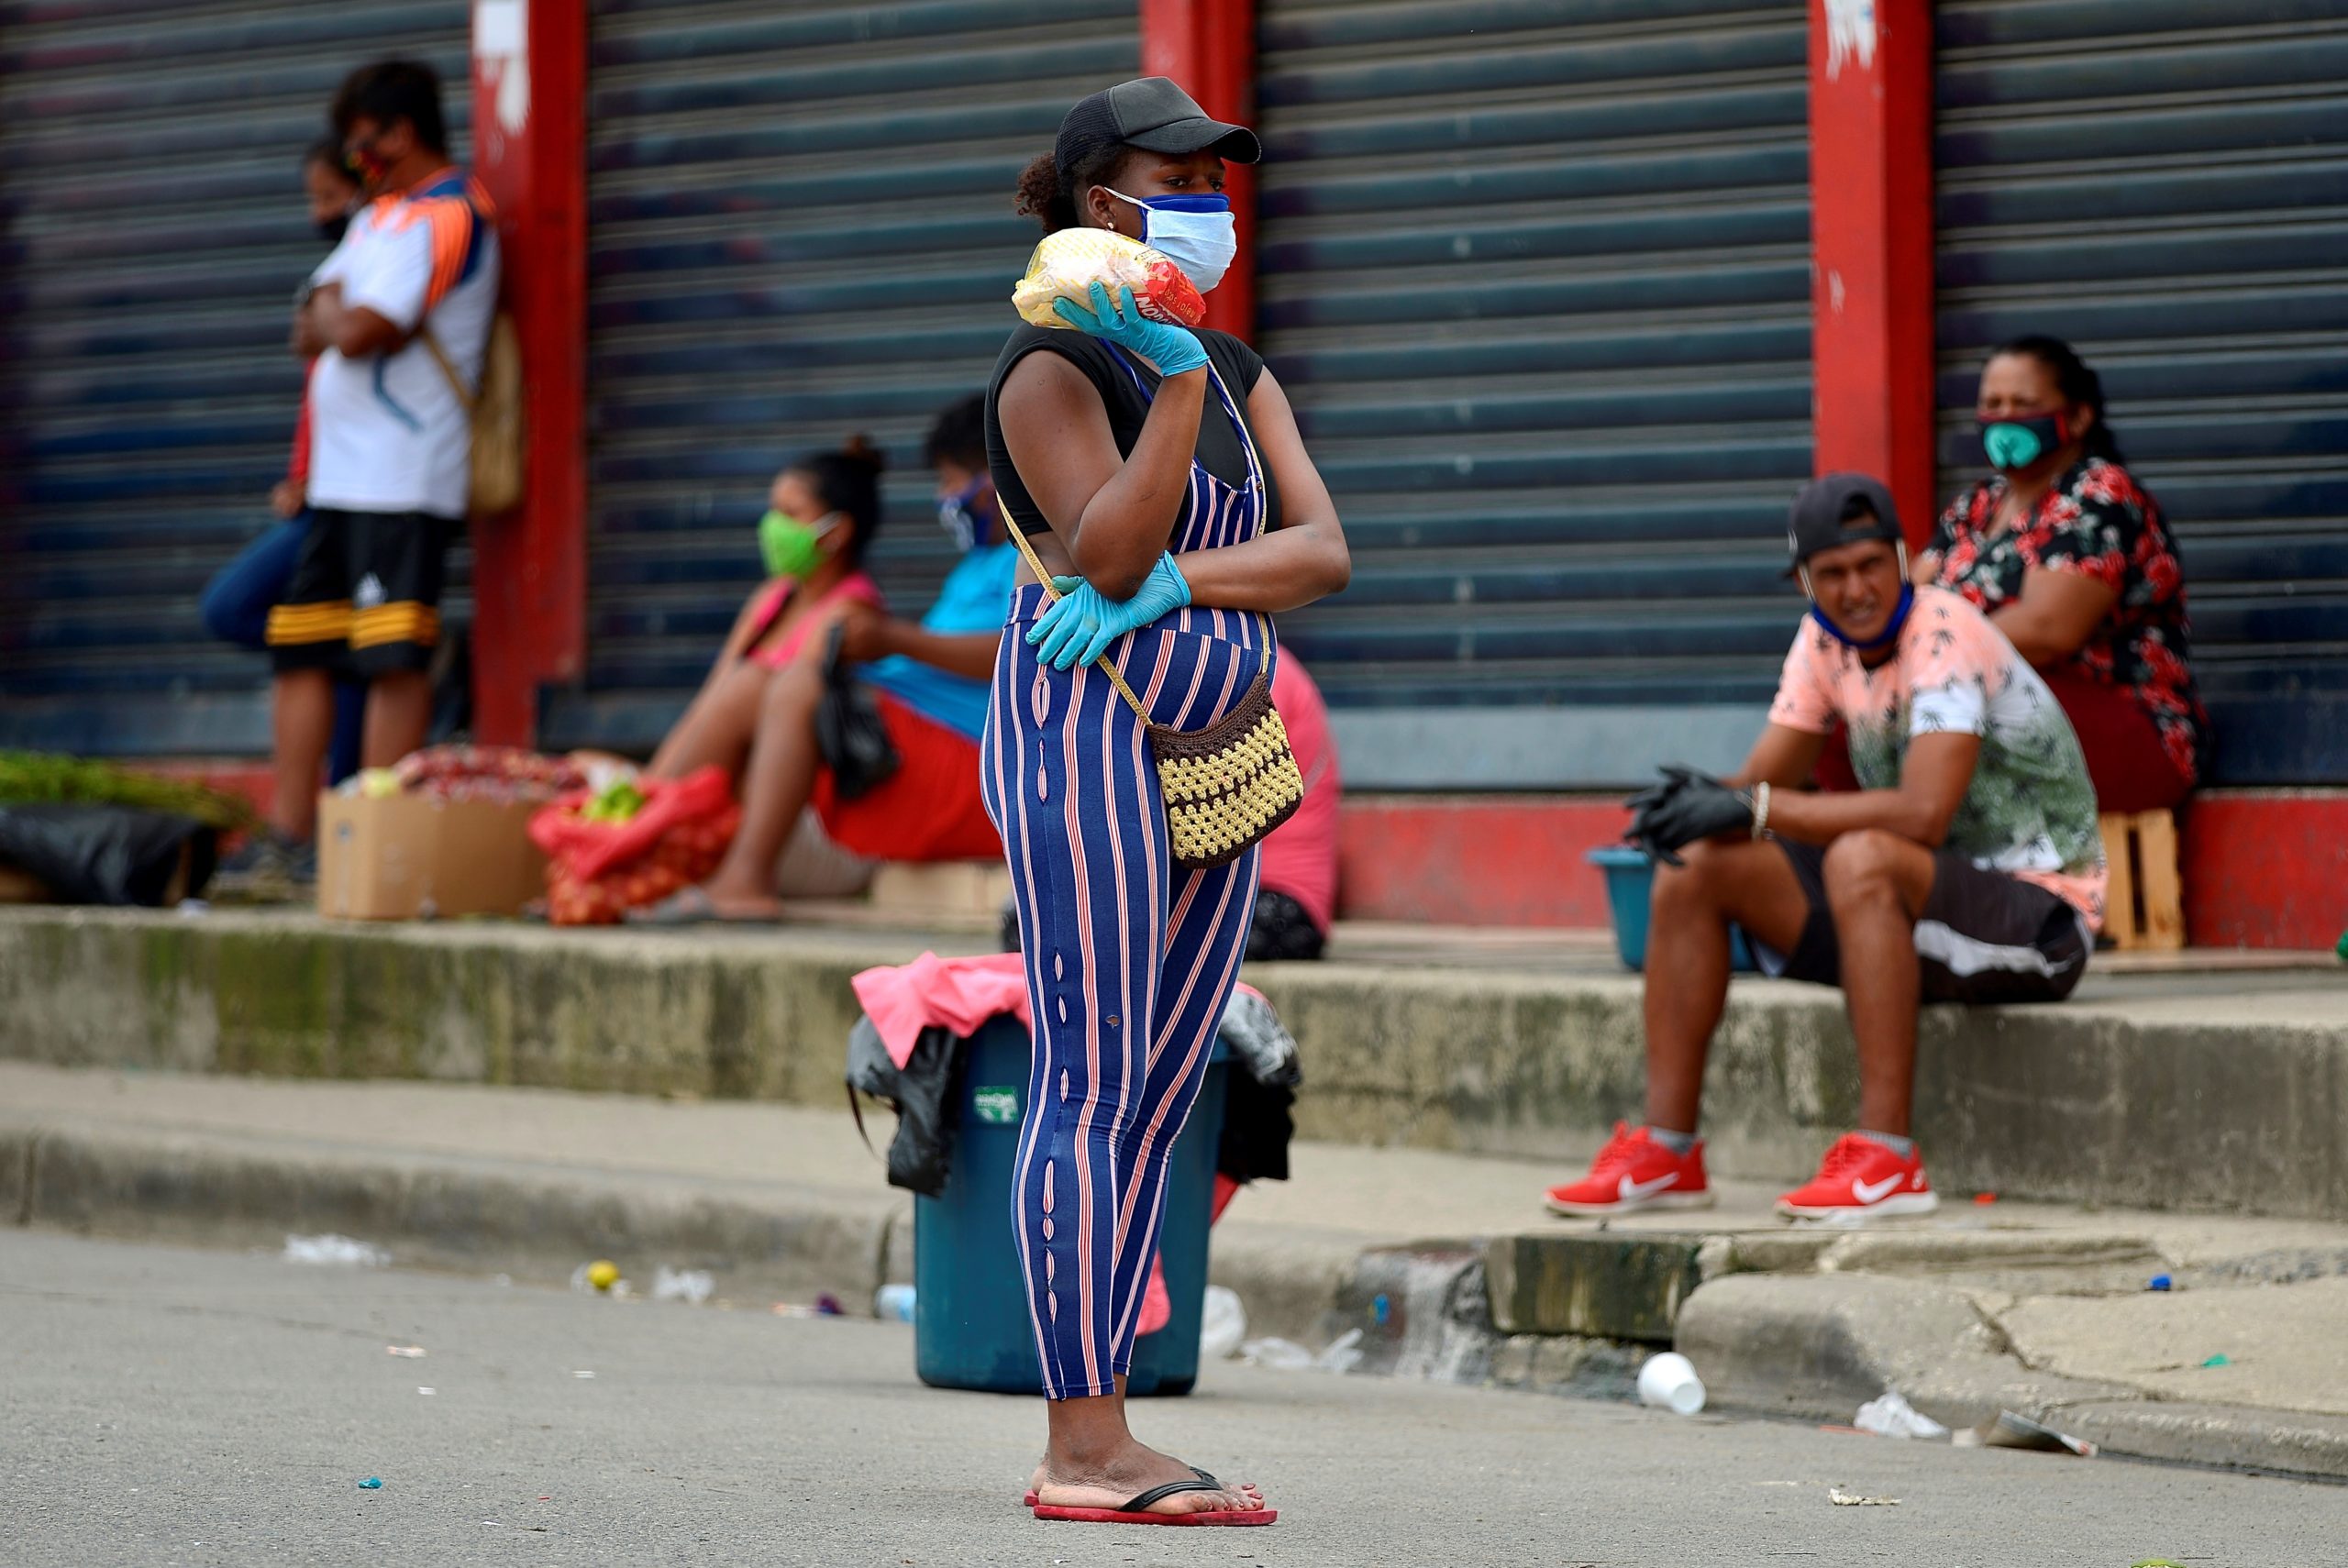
618, 802
32, 777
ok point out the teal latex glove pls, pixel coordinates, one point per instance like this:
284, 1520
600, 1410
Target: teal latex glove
1080, 626
1173, 349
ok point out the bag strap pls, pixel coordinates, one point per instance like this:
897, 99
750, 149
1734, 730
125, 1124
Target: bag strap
465, 399
1044, 576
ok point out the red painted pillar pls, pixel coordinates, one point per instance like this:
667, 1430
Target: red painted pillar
1871, 245
1208, 47
530, 152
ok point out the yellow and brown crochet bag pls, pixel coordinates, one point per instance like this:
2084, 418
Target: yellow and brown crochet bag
1225, 786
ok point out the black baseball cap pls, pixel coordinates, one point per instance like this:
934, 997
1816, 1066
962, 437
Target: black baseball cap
1816, 522
1153, 114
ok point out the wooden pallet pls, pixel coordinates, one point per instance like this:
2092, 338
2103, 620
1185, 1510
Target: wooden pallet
2144, 906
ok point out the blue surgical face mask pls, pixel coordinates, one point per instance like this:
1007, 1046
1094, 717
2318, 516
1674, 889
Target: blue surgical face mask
1196, 233
960, 515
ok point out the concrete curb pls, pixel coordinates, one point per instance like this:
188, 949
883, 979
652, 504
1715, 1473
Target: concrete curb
1818, 1346
2110, 1097
764, 1240
529, 1221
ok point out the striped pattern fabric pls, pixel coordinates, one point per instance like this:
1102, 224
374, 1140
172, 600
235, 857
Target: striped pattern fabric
406, 621
292, 625
1130, 959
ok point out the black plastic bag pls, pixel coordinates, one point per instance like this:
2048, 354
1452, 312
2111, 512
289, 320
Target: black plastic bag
108, 854
848, 730
926, 1091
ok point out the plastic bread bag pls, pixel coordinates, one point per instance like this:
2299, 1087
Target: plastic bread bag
1067, 265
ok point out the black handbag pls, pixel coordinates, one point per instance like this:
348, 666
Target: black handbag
849, 733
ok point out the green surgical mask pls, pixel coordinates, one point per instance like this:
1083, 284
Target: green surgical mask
789, 546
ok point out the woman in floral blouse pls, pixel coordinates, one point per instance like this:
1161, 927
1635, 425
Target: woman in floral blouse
2071, 559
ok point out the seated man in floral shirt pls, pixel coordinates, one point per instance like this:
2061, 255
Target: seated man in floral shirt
1966, 867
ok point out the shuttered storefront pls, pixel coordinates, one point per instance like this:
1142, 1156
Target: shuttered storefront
800, 226
1537, 275
149, 186
2164, 183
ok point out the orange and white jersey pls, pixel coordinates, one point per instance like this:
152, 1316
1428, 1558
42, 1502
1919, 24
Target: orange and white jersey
387, 431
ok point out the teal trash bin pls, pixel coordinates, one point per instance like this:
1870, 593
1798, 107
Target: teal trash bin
1630, 876
970, 1323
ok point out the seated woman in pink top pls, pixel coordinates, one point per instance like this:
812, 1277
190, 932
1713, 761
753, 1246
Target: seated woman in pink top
755, 708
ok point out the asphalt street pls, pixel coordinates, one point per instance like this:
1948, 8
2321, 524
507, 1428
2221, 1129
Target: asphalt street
161, 1406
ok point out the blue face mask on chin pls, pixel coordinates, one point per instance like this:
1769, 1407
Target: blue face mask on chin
1196, 233
1890, 633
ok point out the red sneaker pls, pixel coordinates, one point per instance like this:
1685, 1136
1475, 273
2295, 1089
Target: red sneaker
1860, 1175
1634, 1172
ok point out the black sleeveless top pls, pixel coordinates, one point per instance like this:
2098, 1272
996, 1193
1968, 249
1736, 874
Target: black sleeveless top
1219, 448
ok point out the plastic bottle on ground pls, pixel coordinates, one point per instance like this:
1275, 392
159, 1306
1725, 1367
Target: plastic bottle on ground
1223, 1323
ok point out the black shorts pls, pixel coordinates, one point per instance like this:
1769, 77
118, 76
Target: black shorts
365, 596
1983, 937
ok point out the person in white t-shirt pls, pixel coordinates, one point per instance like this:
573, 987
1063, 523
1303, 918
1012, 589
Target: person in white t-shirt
399, 316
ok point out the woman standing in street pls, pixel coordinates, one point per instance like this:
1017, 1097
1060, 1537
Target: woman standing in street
1163, 467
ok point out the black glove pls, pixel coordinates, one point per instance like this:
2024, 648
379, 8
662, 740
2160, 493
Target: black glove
1644, 805
1675, 777
1685, 807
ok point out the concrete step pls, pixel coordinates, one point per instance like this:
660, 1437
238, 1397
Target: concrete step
2171, 1089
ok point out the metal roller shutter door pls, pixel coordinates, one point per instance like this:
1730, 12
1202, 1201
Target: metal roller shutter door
150, 156
2164, 183
800, 226
1537, 275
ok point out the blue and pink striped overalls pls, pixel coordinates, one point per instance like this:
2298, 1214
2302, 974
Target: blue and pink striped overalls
1130, 958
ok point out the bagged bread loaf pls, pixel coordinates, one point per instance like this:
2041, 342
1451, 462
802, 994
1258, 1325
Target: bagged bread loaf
1067, 265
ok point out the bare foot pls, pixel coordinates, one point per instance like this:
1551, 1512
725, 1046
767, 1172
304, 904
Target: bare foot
1043, 1473
749, 901
1130, 1471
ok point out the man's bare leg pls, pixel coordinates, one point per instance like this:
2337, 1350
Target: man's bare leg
300, 727
1750, 883
399, 717
1877, 884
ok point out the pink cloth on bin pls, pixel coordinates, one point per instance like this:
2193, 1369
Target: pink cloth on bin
962, 995
959, 994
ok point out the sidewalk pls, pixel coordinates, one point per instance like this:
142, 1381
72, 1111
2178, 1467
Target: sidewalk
1445, 1259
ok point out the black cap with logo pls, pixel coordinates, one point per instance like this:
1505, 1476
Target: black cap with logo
1817, 522
1153, 114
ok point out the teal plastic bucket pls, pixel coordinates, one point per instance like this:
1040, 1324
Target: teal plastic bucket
970, 1323
1630, 874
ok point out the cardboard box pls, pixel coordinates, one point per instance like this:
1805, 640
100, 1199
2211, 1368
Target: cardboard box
407, 857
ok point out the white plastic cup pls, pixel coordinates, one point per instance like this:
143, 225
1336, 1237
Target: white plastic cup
1668, 1382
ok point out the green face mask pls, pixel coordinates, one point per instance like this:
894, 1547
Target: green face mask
2015, 443
789, 546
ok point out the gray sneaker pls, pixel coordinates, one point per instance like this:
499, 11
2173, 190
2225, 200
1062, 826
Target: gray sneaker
270, 870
